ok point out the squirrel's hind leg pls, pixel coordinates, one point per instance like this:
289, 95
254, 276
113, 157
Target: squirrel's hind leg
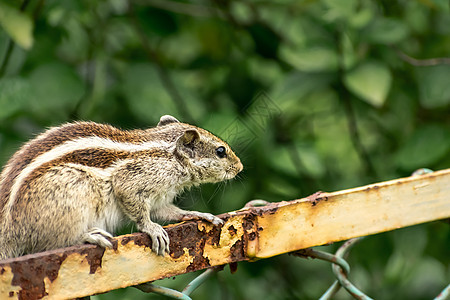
97, 236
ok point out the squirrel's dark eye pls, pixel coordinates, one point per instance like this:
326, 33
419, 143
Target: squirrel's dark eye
221, 152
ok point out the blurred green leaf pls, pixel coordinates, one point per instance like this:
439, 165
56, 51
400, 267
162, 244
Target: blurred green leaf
371, 81
312, 59
311, 161
336, 10
349, 55
297, 85
434, 85
281, 188
282, 161
56, 91
424, 148
361, 18
146, 96
386, 31
17, 24
440, 4
14, 94
416, 17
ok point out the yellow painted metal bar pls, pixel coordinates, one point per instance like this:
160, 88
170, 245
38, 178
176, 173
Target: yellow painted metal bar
250, 233
355, 212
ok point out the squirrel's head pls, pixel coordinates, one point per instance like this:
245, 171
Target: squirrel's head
208, 158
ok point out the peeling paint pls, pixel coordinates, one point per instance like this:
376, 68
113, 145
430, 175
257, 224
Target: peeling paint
317, 197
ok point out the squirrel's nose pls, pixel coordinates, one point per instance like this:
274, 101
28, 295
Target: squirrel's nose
239, 167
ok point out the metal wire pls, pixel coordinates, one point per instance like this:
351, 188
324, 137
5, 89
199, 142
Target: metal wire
341, 269
200, 279
153, 288
184, 295
422, 171
342, 277
323, 256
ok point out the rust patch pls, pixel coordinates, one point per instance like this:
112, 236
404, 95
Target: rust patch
214, 236
304, 253
251, 233
264, 210
139, 239
232, 230
30, 271
125, 240
200, 262
249, 223
233, 267
187, 235
225, 217
94, 258
237, 251
317, 197
184, 236
372, 187
271, 209
30, 275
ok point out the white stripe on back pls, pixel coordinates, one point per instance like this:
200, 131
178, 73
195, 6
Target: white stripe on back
82, 143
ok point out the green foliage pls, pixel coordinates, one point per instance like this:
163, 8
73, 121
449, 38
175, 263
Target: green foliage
434, 86
17, 24
371, 81
313, 95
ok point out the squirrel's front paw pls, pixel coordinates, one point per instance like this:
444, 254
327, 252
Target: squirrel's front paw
159, 237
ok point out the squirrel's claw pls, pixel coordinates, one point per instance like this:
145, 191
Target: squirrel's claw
99, 237
212, 218
196, 215
159, 237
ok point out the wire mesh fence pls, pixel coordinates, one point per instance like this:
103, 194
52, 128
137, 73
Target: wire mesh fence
340, 268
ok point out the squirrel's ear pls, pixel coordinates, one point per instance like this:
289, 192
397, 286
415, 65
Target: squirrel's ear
189, 137
186, 142
167, 119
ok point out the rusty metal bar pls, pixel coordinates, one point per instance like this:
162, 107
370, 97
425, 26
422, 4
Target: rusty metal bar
248, 234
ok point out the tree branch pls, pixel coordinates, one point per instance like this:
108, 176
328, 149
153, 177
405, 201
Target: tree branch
423, 62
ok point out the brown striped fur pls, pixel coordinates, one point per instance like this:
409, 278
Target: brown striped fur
77, 182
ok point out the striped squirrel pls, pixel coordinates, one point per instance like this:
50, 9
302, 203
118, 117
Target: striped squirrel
77, 183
